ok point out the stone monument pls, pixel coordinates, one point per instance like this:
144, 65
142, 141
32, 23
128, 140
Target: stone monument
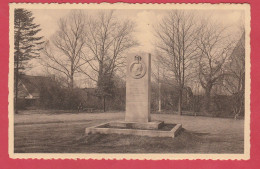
138, 86
138, 96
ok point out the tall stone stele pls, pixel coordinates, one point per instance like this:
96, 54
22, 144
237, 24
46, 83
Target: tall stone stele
138, 86
138, 96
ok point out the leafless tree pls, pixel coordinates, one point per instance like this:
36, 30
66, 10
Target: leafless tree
65, 50
175, 41
234, 82
107, 40
214, 48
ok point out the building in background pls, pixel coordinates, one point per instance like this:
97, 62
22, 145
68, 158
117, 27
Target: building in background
29, 88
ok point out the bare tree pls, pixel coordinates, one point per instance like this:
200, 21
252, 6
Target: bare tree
234, 82
175, 40
214, 48
107, 40
65, 50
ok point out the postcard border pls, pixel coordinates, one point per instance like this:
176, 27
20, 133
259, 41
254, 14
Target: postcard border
245, 156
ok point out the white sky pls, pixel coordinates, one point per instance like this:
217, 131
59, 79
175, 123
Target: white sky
144, 19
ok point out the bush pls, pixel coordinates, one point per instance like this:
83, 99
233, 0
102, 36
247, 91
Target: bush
53, 96
221, 105
21, 104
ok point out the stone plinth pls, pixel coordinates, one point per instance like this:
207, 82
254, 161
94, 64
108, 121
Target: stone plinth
137, 125
138, 79
107, 128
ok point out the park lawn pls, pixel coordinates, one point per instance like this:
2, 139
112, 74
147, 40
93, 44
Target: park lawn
64, 133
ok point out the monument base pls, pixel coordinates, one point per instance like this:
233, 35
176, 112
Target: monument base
137, 125
151, 129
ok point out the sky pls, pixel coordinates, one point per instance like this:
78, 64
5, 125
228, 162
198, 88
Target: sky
144, 19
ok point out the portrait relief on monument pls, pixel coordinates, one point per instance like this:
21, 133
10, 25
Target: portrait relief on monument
129, 81
137, 68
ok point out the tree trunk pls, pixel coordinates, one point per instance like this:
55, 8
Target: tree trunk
104, 103
17, 71
71, 82
180, 103
160, 102
16, 86
207, 100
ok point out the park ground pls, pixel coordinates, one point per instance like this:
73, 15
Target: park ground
63, 132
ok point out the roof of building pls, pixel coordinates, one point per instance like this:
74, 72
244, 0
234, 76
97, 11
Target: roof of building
29, 86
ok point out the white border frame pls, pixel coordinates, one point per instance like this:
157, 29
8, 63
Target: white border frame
245, 156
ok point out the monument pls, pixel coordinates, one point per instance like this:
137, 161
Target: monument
138, 97
138, 89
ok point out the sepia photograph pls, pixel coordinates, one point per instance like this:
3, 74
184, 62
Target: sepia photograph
132, 81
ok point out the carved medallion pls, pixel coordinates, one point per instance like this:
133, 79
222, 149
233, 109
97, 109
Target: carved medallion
137, 68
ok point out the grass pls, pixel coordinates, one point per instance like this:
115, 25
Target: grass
200, 135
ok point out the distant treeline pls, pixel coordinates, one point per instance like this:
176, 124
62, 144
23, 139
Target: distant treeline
54, 96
